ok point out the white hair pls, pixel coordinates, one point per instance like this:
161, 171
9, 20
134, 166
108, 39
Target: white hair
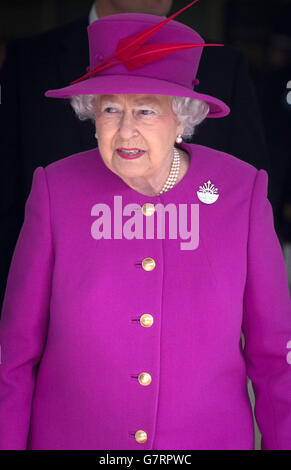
189, 111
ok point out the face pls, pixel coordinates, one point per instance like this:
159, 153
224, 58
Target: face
153, 7
145, 122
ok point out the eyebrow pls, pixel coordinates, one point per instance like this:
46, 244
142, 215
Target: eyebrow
139, 102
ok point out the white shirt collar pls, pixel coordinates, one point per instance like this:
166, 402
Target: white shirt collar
93, 15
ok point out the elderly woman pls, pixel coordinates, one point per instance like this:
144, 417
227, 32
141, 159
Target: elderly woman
120, 330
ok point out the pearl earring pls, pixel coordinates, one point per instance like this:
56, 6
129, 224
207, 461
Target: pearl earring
179, 139
96, 136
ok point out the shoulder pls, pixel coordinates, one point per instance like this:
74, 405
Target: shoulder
227, 163
53, 34
35, 44
226, 53
228, 62
72, 164
235, 177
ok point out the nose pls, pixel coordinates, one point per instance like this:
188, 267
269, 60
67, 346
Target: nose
127, 125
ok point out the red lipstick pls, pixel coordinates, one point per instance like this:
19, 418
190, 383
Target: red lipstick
128, 156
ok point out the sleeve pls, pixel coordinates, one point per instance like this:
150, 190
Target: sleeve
25, 316
267, 323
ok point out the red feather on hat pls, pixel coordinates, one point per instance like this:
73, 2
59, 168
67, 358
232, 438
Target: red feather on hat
132, 52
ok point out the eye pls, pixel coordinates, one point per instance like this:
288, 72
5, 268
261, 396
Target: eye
147, 111
109, 107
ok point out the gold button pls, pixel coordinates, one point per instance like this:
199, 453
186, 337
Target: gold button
144, 378
141, 436
146, 320
148, 264
148, 208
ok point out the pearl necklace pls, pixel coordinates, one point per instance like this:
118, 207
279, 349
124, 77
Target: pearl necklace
173, 175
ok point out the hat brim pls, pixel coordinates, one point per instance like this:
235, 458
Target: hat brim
129, 84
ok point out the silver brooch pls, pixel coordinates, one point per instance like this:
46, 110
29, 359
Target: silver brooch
207, 193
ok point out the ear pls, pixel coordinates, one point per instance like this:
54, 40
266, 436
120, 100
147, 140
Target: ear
180, 129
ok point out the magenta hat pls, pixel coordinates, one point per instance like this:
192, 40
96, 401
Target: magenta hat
135, 53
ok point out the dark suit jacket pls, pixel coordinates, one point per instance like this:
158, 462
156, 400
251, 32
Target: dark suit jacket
36, 130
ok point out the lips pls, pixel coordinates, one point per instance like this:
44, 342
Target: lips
128, 156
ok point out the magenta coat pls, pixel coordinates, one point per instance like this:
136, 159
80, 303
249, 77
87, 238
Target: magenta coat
82, 320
